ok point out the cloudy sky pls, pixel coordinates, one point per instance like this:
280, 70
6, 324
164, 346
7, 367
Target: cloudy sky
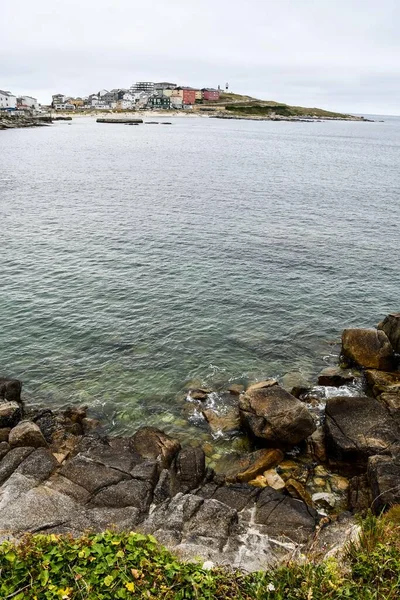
337, 54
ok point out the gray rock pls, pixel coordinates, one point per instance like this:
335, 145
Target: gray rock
39, 465
190, 468
359, 494
356, 428
10, 390
117, 519
65, 486
4, 433
152, 443
283, 516
114, 458
90, 474
11, 461
384, 479
125, 493
237, 495
369, 348
10, 414
276, 416
391, 326
4, 448
212, 524
25, 434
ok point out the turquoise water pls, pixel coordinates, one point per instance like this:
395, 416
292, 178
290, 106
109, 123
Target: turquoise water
136, 259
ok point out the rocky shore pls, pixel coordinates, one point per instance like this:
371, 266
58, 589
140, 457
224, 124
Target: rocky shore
309, 466
11, 121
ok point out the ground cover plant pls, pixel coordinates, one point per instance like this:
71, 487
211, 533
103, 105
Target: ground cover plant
113, 565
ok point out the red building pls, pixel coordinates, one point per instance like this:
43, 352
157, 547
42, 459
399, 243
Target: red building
210, 94
189, 96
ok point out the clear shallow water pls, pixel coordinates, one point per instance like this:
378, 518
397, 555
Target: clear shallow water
134, 259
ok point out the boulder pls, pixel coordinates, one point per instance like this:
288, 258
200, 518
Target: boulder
189, 470
359, 494
134, 492
391, 326
392, 403
260, 385
255, 463
91, 474
236, 495
357, 428
384, 479
4, 448
274, 480
276, 416
283, 516
150, 442
335, 377
38, 465
295, 383
10, 414
221, 412
236, 389
4, 433
382, 381
10, 390
26, 433
369, 348
316, 445
11, 461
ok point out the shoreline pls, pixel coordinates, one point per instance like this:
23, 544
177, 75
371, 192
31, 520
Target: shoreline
61, 473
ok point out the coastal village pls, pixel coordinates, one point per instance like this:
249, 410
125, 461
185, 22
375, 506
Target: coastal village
142, 95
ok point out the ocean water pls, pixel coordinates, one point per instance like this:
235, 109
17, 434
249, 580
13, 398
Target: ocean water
136, 259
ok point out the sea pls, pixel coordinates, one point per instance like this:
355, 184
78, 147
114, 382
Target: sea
137, 261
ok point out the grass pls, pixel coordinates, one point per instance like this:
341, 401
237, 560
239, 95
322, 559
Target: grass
133, 566
266, 108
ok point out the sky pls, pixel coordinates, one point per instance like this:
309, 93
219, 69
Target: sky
340, 55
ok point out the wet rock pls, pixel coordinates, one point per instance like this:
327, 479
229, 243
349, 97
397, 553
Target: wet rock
89, 425
316, 445
369, 348
236, 389
391, 401
47, 423
383, 382
335, 377
256, 463
10, 390
384, 479
75, 413
283, 516
339, 484
259, 385
276, 416
25, 434
359, 494
10, 414
324, 500
199, 394
295, 383
150, 442
11, 461
162, 490
227, 420
190, 469
297, 490
391, 326
274, 480
90, 474
356, 428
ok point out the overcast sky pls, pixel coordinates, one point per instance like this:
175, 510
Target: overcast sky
336, 54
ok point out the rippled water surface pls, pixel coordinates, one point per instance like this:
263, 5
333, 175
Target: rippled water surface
135, 259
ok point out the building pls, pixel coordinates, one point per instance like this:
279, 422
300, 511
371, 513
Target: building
164, 85
188, 96
58, 99
143, 86
176, 102
27, 102
199, 95
7, 100
210, 94
162, 102
64, 106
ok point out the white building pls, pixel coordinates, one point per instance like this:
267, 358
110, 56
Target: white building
176, 102
27, 102
7, 100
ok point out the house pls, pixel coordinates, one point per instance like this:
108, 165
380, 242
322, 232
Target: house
143, 86
187, 94
162, 102
210, 94
58, 99
7, 100
27, 102
64, 106
176, 102
199, 95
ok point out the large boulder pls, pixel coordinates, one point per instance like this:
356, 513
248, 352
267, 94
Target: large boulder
189, 469
391, 326
255, 463
357, 428
152, 443
369, 348
10, 390
26, 433
276, 416
384, 479
335, 377
383, 381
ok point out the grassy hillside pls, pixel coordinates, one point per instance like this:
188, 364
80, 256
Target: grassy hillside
109, 566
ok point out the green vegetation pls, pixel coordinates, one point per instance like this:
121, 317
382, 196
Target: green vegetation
267, 108
133, 566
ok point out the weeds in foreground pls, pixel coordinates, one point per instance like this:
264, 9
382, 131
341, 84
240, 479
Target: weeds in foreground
109, 566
